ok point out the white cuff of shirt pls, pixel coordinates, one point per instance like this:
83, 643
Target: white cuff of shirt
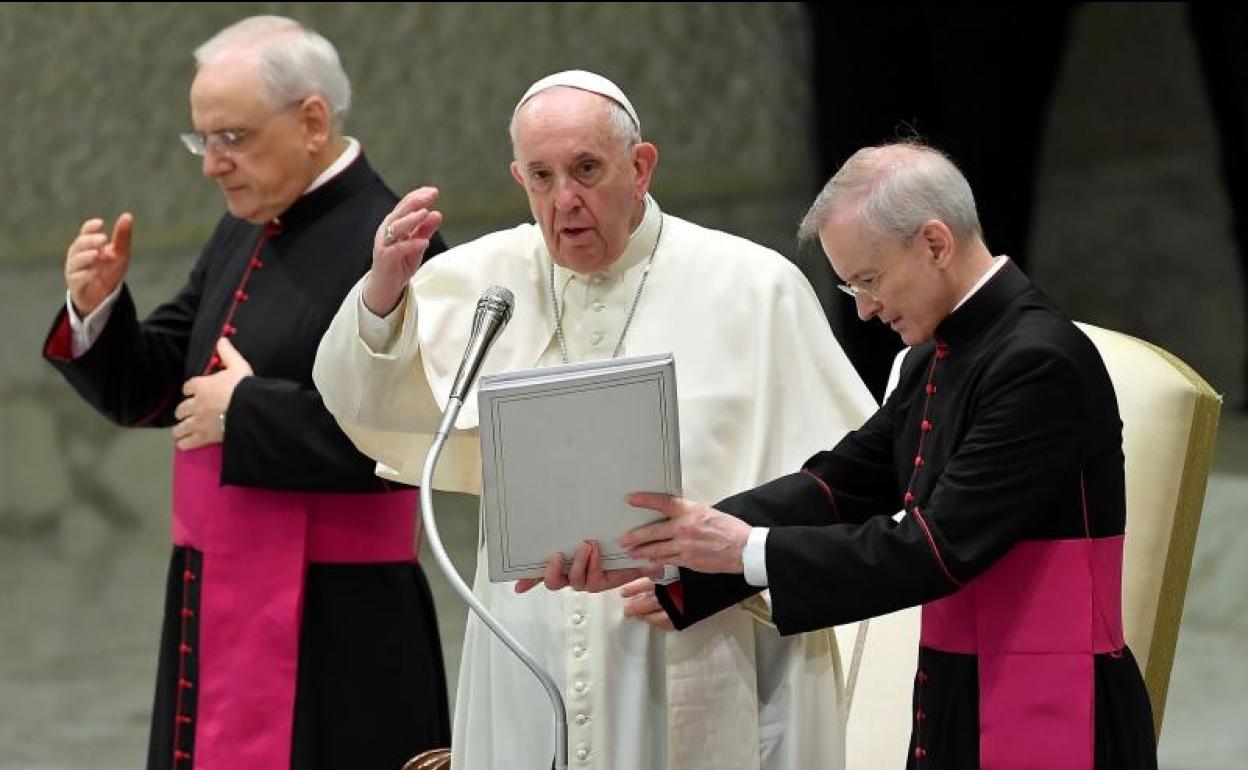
85, 331
754, 557
670, 575
378, 333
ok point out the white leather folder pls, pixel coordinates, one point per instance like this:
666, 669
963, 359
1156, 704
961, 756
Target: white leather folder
562, 446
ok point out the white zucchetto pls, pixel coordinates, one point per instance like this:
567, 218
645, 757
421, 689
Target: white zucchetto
585, 81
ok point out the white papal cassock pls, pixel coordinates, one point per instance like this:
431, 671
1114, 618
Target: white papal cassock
762, 385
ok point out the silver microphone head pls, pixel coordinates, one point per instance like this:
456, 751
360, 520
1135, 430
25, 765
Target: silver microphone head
493, 313
499, 299
495, 306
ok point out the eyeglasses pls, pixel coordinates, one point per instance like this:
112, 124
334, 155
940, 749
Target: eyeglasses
869, 287
229, 141
226, 142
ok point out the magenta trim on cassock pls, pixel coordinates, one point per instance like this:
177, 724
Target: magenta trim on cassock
256, 545
1035, 619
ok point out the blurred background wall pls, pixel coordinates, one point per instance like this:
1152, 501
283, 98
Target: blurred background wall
1130, 229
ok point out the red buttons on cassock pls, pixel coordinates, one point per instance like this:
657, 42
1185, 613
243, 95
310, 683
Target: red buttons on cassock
921, 676
188, 576
257, 263
187, 612
925, 426
214, 362
909, 498
185, 649
919, 753
185, 684
919, 716
183, 720
931, 389
227, 330
918, 461
241, 295
181, 756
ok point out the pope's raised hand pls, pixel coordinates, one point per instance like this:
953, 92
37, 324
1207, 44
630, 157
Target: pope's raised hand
399, 247
96, 263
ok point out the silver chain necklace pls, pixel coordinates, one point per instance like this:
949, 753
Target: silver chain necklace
619, 345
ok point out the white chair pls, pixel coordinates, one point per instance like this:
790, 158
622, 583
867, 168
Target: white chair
1170, 420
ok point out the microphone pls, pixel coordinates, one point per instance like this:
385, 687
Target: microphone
493, 313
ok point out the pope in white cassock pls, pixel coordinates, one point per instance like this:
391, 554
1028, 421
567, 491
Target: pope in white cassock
762, 385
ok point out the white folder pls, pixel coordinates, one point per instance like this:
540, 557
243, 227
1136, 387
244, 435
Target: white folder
562, 446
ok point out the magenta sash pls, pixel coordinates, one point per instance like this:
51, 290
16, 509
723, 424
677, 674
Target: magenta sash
256, 545
1035, 619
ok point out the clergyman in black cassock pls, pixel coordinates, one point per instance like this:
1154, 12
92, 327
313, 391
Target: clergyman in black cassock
1002, 443
299, 629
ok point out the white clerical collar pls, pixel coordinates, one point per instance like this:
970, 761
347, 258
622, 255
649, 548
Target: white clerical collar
640, 245
997, 264
347, 157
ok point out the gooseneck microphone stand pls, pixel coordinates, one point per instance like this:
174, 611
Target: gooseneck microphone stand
468, 372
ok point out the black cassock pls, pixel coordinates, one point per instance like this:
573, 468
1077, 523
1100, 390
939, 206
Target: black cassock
370, 689
1002, 436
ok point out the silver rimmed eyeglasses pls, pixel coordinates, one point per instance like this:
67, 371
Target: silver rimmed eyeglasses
229, 141
225, 142
870, 287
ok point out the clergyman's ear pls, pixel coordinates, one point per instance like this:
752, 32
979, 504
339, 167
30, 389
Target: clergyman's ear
318, 124
938, 241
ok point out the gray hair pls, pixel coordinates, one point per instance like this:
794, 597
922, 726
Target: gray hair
895, 188
295, 62
619, 123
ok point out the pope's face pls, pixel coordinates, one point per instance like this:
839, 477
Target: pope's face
585, 188
271, 164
